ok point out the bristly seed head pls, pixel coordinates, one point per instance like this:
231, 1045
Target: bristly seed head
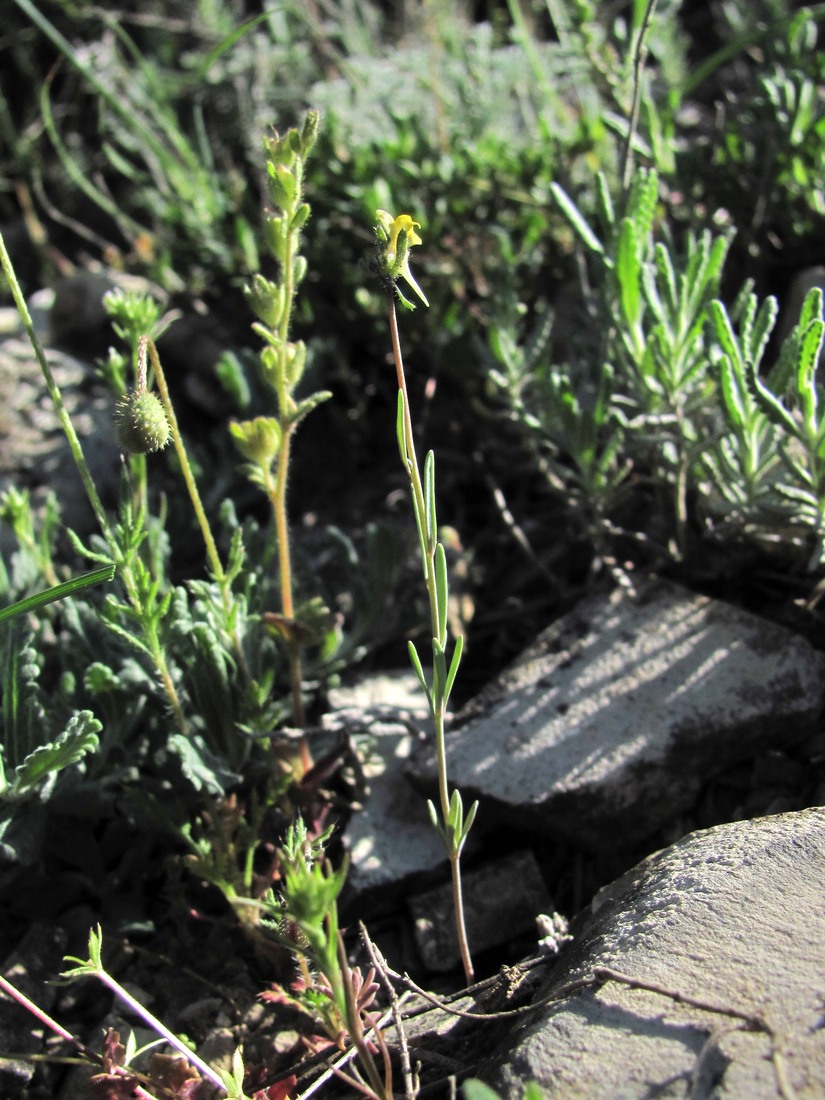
142, 426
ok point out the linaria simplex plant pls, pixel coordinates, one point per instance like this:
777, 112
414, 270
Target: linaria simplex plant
395, 237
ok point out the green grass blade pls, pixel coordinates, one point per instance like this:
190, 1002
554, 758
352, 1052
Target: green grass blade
58, 592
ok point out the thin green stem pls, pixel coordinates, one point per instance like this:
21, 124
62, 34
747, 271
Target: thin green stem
639, 55
89, 485
191, 485
438, 703
412, 467
212, 554
460, 923
57, 398
277, 496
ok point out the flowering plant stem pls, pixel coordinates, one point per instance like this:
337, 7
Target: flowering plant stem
452, 826
223, 579
266, 441
122, 560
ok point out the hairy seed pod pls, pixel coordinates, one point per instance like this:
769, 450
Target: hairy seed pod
142, 426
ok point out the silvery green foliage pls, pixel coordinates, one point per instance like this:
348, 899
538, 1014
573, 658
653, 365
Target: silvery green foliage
676, 394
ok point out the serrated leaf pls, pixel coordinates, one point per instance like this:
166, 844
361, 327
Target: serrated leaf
725, 334
130, 639
84, 551
205, 770
809, 349
99, 678
731, 396
811, 308
667, 276
627, 272
762, 328
78, 739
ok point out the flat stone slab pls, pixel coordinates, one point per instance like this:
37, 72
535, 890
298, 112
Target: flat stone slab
391, 837
611, 723
733, 916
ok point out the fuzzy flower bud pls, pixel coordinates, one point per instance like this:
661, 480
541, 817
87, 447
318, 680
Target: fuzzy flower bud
142, 426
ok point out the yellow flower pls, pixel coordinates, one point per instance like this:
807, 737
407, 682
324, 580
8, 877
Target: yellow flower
399, 235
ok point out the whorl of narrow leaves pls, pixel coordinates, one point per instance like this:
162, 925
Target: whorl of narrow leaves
142, 426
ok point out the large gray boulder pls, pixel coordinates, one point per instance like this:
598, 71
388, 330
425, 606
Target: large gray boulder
733, 917
607, 728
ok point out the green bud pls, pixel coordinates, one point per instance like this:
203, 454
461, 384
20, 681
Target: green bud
299, 269
312, 124
278, 150
258, 440
271, 363
282, 185
296, 361
294, 139
275, 238
142, 426
266, 299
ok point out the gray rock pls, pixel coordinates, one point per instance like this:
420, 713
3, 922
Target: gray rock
732, 916
611, 723
34, 453
391, 837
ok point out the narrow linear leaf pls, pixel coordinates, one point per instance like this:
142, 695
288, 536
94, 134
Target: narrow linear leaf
58, 592
399, 431
574, 216
429, 501
439, 676
441, 593
468, 824
454, 663
419, 671
604, 203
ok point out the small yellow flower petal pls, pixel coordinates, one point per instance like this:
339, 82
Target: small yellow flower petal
396, 262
